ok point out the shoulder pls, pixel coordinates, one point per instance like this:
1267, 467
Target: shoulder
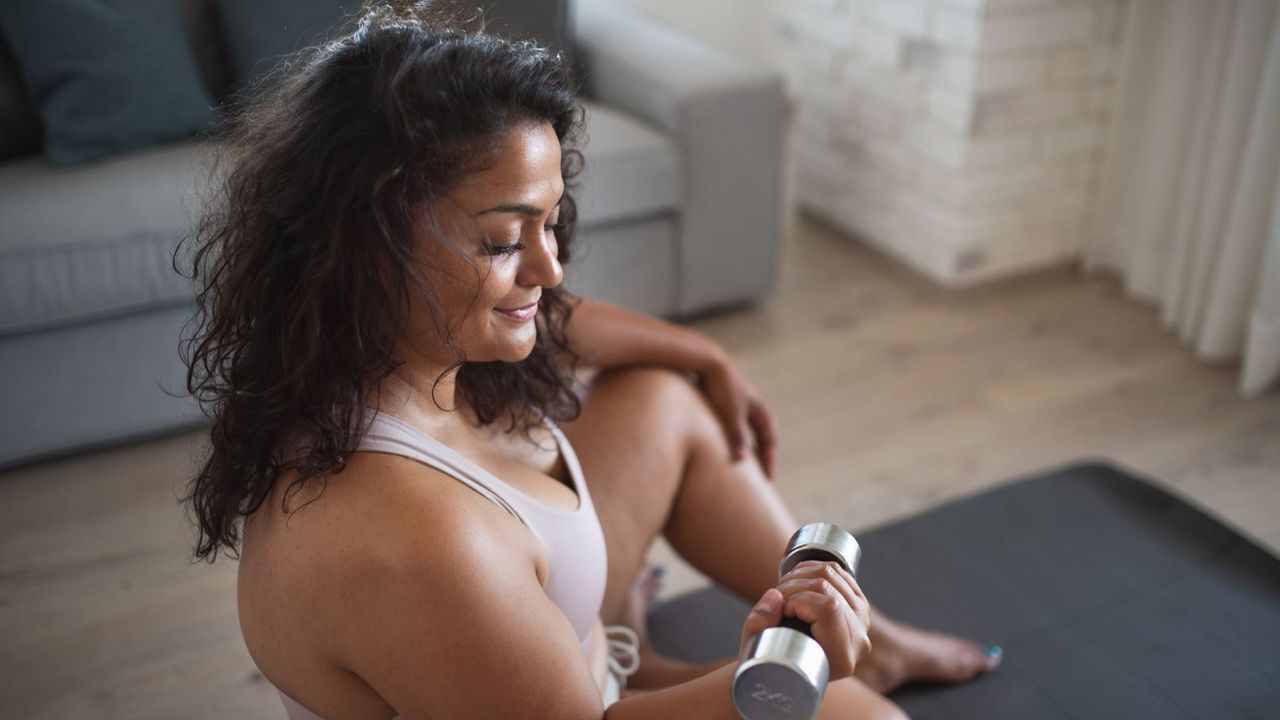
382, 513
456, 599
407, 507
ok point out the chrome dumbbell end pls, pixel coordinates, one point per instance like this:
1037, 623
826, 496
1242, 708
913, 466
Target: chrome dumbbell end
822, 541
781, 674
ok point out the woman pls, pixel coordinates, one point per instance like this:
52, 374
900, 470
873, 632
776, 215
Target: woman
429, 520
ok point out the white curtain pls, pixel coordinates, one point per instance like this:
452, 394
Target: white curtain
1189, 201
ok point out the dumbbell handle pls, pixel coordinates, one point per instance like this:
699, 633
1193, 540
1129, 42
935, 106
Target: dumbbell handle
782, 671
796, 624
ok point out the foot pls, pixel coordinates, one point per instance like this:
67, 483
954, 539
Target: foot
903, 654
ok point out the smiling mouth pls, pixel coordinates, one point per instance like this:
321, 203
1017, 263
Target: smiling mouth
519, 314
522, 308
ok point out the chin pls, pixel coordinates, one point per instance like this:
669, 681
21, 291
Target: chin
517, 352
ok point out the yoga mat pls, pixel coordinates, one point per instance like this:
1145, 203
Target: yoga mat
1110, 597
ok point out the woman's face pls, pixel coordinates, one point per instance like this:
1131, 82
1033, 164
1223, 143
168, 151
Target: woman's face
501, 219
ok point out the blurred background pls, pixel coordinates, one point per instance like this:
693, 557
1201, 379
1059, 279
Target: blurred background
953, 242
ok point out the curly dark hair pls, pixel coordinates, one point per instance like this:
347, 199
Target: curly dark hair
304, 253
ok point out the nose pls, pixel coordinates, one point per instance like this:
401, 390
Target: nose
539, 262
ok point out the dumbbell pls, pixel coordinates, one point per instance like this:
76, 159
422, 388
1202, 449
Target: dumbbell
783, 671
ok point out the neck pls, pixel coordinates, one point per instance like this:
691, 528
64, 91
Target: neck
412, 390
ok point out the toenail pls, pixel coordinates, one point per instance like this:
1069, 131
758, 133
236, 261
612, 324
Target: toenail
994, 651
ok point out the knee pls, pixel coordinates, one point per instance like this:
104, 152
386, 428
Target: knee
645, 386
849, 698
881, 708
662, 397
890, 711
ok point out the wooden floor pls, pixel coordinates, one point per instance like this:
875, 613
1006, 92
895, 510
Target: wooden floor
892, 395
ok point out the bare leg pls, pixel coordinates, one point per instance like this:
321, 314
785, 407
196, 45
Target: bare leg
722, 502
656, 460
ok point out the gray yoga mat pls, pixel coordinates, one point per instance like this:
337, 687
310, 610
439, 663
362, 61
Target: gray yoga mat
1111, 598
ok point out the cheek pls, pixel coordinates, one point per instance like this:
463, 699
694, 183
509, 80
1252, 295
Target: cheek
491, 293
499, 284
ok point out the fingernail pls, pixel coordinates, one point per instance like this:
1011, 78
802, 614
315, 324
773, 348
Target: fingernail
994, 651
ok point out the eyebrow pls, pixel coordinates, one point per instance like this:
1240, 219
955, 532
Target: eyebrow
518, 208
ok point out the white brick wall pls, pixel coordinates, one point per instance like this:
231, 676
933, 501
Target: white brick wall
962, 136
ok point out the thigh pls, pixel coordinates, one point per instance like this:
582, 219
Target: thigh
849, 698
632, 444
846, 699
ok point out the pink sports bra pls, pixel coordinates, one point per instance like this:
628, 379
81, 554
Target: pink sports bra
573, 540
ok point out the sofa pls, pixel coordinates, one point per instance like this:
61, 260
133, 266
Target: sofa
680, 216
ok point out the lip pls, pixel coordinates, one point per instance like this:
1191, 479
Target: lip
519, 314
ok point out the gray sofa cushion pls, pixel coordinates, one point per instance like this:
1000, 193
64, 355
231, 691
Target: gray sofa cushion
98, 241
630, 170
93, 384
631, 264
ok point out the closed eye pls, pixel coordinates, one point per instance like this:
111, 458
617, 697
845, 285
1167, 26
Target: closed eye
518, 246
503, 249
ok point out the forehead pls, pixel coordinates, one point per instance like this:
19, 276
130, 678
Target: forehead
525, 170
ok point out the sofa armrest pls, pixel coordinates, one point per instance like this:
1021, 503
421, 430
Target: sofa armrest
727, 117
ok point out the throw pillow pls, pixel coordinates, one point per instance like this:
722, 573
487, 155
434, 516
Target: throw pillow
20, 131
260, 33
107, 75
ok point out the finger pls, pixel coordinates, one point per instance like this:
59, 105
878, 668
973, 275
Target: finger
766, 437
736, 443
795, 584
831, 626
820, 583
810, 606
767, 459
734, 427
767, 613
833, 572
810, 566
726, 411
744, 438
741, 418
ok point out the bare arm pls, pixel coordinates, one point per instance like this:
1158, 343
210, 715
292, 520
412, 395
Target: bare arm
456, 624
606, 335
707, 697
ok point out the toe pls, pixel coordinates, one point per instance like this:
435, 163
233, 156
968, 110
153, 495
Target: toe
653, 582
981, 659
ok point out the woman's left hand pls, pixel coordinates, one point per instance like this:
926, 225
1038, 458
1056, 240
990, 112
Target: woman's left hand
742, 411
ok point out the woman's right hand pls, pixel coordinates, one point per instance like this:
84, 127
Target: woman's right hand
825, 595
